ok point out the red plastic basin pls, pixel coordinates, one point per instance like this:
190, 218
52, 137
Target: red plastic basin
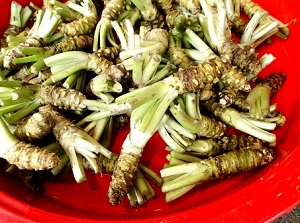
257, 196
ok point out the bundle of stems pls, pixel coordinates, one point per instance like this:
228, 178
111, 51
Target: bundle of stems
141, 191
44, 26
18, 19
182, 131
250, 8
178, 20
234, 118
25, 98
147, 8
74, 140
80, 42
181, 178
144, 56
110, 12
82, 25
63, 65
231, 77
258, 29
144, 122
66, 13
217, 34
259, 97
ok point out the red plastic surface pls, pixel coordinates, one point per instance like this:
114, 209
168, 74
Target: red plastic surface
258, 196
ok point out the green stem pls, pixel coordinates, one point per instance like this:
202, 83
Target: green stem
192, 105
33, 6
105, 110
130, 33
38, 65
200, 174
15, 11
15, 40
48, 24
64, 160
184, 119
66, 58
195, 55
265, 60
99, 128
23, 112
151, 67
26, 13
63, 6
148, 10
233, 118
64, 64
169, 140
31, 50
53, 147
247, 34
105, 26
137, 69
154, 91
262, 124
7, 139
107, 134
174, 194
151, 174
27, 59
268, 28
70, 82
120, 34
161, 109
162, 73
85, 9
12, 108
8, 95
9, 102
199, 44
185, 142
179, 128
96, 37
12, 84
50, 39
176, 170
137, 50
185, 157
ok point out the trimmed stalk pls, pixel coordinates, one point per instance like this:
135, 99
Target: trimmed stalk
232, 117
110, 12
80, 42
145, 121
44, 27
84, 25
218, 35
148, 10
259, 98
18, 18
77, 144
218, 167
250, 8
64, 64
